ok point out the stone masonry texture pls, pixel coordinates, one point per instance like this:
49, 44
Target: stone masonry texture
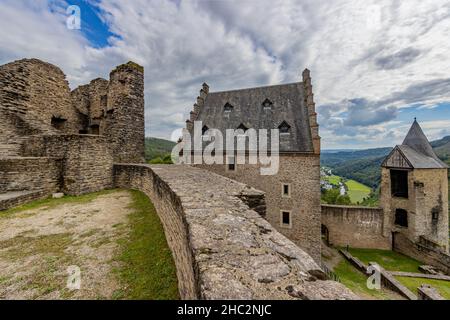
358, 227
303, 202
55, 140
222, 248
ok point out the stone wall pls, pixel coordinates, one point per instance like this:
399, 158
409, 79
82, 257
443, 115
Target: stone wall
222, 248
37, 92
125, 122
426, 292
428, 191
115, 109
358, 227
421, 251
18, 174
87, 164
302, 173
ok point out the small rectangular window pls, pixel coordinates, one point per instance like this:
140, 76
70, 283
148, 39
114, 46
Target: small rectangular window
399, 183
231, 166
435, 215
286, 190
401, 218
286, 219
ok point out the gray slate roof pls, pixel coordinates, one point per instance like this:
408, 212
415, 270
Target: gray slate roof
288, 105
419, 160
418, 151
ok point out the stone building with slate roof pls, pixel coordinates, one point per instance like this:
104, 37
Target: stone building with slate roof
414, 192
292, 195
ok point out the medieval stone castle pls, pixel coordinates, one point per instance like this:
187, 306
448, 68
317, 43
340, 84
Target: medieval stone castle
227, 226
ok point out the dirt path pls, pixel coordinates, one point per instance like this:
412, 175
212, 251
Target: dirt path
39, 245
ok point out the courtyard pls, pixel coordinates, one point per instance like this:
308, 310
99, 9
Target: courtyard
112, 239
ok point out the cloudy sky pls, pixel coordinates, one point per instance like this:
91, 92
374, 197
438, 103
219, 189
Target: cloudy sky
375, 64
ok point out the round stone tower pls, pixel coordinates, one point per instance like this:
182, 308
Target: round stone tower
125, 121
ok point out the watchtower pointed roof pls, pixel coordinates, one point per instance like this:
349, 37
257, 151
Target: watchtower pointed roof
417, 140
415, 152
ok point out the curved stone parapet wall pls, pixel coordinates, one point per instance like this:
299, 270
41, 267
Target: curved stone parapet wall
223, 249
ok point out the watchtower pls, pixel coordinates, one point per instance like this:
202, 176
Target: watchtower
414, 192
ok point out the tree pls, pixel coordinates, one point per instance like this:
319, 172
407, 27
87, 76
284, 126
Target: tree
334, 196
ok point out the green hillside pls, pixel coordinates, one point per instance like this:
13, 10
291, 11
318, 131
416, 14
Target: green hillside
157, 148
364, 165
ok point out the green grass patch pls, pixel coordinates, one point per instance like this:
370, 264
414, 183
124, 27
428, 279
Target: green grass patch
357, 191
49, 245
356, 281
147, 270
46, 276
389, 260
50, 203
412, 284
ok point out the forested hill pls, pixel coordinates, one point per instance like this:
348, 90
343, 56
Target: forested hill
364, 165
157, 148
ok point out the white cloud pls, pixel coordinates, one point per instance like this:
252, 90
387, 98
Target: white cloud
382, 52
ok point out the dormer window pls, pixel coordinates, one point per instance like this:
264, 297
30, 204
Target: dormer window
267, 104
228, 108
242, 127
284, 128
204, 130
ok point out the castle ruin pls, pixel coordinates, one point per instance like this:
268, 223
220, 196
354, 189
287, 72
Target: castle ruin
54, 140
220, 220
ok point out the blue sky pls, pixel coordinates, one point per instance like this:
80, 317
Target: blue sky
376, 64
93, 28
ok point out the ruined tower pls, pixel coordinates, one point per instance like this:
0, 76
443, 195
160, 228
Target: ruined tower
414, 193
125, 124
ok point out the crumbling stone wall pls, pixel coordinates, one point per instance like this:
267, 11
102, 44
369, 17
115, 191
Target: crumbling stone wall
357, 227
422, 251
17, 174
37, 91
125, 121
41, 118
87, 162
222, 248
115, 109
303, 203
426, 292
